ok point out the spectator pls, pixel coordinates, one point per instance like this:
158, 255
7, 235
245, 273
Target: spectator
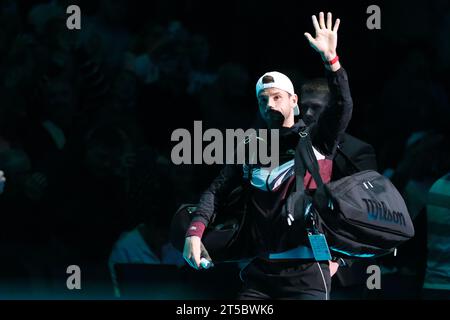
148, 244
437, 275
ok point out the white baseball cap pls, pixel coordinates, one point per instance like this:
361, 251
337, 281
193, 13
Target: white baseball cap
280, 81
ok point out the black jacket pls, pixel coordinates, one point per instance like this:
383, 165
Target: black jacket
326, 134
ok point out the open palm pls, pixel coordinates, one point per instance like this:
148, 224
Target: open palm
325, 41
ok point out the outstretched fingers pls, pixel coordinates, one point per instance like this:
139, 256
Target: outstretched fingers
315, 23
329, 21
336, 25
322, 20
309, 37
320, 24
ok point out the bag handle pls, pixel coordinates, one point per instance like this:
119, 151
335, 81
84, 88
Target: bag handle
299, 166
305, 157
299, 170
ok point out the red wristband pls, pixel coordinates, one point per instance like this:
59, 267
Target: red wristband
196, 229
331, 62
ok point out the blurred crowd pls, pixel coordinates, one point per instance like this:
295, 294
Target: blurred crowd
86, 119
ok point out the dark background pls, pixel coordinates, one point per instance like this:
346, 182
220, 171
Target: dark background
67, 202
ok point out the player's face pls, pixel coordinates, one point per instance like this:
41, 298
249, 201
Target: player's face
276, 107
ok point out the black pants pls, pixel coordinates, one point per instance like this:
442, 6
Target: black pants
295, 279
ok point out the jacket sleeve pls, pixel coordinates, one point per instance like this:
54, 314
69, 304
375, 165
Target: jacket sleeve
229, 178
334, 120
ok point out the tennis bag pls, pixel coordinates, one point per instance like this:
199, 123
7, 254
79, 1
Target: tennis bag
361, 216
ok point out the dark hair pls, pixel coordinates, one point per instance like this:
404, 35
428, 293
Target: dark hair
268, 79
318, 85
315, 87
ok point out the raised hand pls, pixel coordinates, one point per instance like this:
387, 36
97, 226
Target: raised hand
325, 41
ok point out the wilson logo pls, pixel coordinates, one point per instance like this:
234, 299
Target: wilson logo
377, 210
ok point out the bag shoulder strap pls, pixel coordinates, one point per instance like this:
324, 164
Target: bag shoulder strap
300, 170
306, 155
